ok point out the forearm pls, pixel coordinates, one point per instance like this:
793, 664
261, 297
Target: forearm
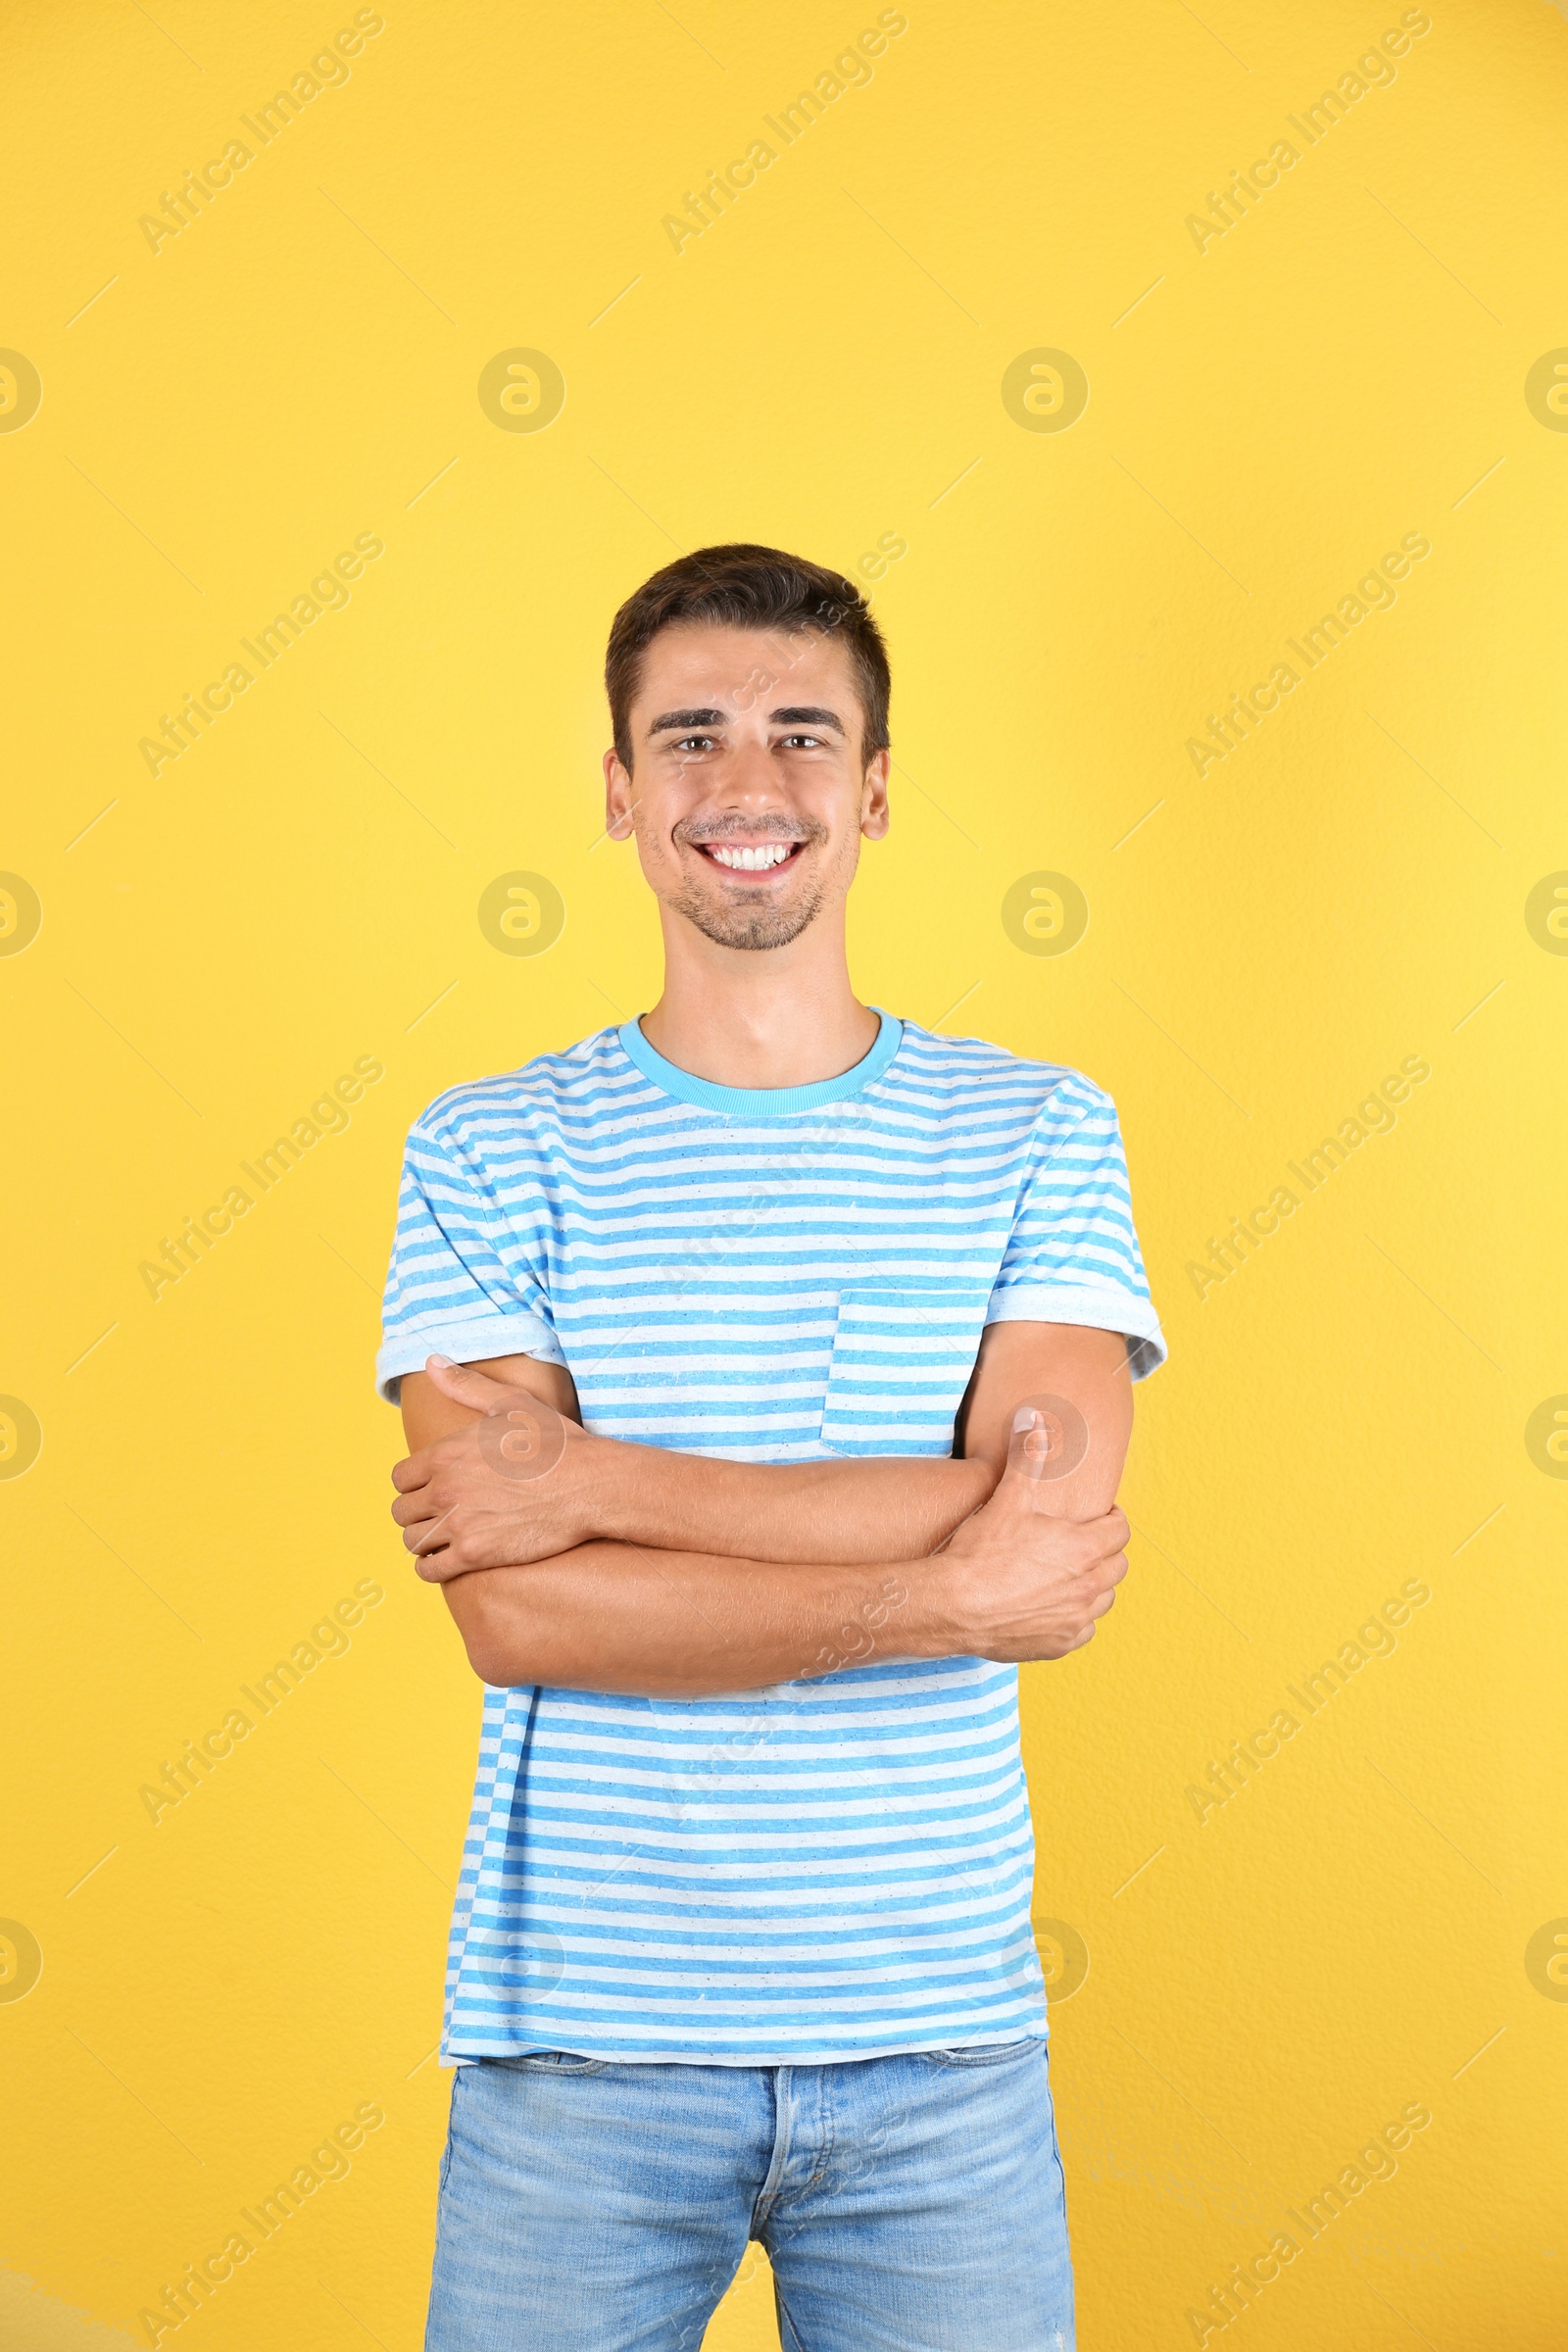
899, 1506
894, 1506
680, 1623
594, 1564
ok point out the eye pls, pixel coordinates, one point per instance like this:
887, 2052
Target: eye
694, 742
805, 743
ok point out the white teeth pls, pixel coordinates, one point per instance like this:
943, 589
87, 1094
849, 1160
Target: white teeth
754, 862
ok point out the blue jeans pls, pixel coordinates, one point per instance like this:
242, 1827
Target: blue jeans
907, 2204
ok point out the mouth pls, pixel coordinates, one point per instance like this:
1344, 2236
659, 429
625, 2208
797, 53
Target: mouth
752, 860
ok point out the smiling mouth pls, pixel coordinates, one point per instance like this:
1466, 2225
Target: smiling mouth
750, 857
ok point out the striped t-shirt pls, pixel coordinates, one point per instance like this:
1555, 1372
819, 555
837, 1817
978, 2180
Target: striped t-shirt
832, 1867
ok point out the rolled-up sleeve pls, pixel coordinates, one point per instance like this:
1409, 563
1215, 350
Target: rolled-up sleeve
1073, 1255
460, 1283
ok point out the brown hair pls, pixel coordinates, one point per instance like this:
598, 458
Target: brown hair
748, 587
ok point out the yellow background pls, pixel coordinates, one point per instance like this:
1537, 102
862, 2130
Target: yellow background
1267, 416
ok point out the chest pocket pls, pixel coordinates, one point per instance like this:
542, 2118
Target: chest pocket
902, 1360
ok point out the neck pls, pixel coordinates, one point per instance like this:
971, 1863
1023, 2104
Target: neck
776, 1016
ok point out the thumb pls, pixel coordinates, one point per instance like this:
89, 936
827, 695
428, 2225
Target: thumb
1050, 1438
1029, 1444
465, 1386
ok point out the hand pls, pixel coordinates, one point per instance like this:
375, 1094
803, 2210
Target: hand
1026, 1584
520, 1484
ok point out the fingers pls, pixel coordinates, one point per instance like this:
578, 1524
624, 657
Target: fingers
1104, 1576
1100, 1607
1095, 1596
465, 1386
412, 1472
428, 1535
1099, 1541
439, 1567
465, 1538
430, 1505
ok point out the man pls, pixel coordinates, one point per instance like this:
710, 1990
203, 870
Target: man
765, 1366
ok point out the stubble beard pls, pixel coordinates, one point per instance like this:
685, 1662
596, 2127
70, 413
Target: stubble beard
750, 926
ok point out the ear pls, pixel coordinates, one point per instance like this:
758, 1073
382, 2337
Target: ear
619, 800
875, 816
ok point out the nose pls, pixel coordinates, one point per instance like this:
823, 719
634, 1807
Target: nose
748, 783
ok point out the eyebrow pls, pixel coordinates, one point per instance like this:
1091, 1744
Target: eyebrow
806, 715
801, 715
682, 719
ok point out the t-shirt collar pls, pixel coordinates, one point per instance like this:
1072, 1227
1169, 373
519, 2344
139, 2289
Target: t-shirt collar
762, 1101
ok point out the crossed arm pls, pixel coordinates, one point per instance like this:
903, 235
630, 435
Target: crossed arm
636, 1569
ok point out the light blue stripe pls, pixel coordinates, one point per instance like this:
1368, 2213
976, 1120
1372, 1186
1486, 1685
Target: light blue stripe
763, 1275
754, 1103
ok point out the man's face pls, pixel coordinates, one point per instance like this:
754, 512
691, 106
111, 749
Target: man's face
748, 794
